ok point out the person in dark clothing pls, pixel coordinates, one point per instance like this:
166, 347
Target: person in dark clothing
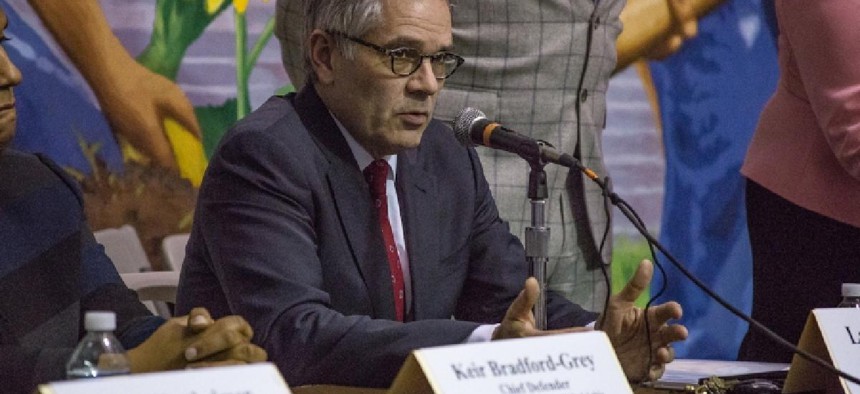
52, 271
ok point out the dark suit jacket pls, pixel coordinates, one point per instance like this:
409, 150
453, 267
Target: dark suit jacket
286, 236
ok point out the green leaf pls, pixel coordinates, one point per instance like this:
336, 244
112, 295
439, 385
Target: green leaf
288, 88
214, 122
626, 255
178, 23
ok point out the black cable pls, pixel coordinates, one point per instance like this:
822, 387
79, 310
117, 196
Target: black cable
631, 215
606, 191
570, 162
606, 279
625, 208
654, 297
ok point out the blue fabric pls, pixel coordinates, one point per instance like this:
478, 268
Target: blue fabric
48, 253
22, 241
53, 110
710, 94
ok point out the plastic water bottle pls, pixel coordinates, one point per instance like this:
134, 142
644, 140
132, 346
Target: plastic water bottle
99, 353
850, 296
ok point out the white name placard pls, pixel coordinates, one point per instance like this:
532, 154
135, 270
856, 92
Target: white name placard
832, 334
262, 378
558, 364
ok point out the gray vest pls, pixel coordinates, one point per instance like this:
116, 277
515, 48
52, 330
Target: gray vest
542, 68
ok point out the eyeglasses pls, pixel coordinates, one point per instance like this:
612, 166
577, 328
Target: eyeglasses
405, 61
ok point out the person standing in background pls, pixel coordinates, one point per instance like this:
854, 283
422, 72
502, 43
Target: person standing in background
542, 67
803, 173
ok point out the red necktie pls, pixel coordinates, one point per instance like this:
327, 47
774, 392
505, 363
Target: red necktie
376, 174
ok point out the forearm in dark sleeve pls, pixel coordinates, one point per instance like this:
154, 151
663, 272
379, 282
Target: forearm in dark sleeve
103, 289
23, 368
134, 322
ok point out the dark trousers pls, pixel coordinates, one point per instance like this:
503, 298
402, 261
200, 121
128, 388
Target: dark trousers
800, 260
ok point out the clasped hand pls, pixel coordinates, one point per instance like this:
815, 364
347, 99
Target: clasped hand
196, 340
643, 355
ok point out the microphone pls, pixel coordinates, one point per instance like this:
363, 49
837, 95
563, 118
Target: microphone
471, 127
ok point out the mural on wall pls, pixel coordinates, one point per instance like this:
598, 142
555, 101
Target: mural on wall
711, 94
132, 96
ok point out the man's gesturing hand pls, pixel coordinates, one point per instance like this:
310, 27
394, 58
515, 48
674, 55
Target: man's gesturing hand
519, 321
625, 325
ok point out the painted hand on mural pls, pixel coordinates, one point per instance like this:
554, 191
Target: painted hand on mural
152, 114
683, 27
148, 113
137, 103
655, 29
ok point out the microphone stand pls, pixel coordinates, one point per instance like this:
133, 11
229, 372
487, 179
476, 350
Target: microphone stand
538, 153
537, 235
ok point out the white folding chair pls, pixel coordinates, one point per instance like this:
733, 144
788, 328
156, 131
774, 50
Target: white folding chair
155, 289
123, 247
173, 250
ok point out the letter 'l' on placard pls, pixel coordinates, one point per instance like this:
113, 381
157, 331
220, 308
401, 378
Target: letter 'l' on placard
567, 363
832, 334
262, 378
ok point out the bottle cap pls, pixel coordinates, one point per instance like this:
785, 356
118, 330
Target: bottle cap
851, 289
102, 321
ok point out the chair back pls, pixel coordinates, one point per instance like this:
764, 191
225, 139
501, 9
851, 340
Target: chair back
123, 246
173, 250
155, 289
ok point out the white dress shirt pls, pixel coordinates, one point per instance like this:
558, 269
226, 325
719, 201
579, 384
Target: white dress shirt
483, 333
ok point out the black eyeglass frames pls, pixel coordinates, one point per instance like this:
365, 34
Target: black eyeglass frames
405, 61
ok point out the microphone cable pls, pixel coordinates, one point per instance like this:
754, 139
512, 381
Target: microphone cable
606, 190
466, 120
634, 219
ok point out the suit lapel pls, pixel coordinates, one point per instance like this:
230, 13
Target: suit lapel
417, 192
351, 197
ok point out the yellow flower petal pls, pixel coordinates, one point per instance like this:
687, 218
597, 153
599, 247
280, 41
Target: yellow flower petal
187, 150
213, 5
241, 5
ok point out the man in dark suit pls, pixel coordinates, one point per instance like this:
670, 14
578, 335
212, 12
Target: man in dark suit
550, 86
341, 284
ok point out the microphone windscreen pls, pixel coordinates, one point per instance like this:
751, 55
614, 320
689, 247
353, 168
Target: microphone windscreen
463, 124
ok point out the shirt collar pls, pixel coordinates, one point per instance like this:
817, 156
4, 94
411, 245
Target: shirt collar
362, 156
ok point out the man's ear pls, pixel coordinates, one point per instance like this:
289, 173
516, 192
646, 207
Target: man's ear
322, 49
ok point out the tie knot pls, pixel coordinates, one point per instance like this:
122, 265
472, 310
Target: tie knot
376, 173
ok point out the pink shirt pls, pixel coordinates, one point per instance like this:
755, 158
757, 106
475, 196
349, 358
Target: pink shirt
807, 144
